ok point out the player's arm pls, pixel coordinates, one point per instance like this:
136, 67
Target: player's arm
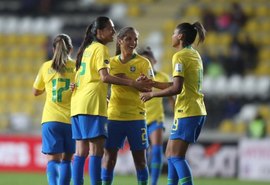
139, 85
172, 90
162, 85
156, 84
37, 92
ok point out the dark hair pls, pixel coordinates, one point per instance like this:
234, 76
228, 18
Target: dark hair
90, 35
121, 34
189, 32
147, 52
62, 45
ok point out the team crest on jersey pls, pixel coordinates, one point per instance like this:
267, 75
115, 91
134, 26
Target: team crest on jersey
132, 68
106, 61
178, 67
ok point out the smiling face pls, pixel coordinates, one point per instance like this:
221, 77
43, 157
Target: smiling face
129, 42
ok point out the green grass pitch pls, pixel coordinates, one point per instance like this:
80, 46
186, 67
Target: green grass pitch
40, 179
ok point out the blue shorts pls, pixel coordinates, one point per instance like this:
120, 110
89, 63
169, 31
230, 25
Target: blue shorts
88, 126
57, 138
187, 129
153, 126
134, 131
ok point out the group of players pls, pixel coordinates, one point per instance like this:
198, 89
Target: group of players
84, 115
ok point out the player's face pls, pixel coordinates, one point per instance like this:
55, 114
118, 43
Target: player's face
129, 42
176, 38
107, 33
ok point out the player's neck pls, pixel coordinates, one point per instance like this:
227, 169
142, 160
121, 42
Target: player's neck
125, 57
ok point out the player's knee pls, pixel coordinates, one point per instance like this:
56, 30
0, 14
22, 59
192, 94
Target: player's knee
82, 153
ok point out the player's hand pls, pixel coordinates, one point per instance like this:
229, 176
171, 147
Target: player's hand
142, 77
145, 96
144, 85
72, 86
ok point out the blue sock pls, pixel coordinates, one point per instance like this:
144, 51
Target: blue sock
183, 170
172, 173
65, 173
142, 176
53, 172
78, 170
95, 170
107, 176
156, 163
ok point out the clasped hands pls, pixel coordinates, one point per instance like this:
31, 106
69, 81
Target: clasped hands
147, 94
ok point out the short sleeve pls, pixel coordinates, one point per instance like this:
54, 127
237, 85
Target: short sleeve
39, 81
148, 70
102, 58
177, 66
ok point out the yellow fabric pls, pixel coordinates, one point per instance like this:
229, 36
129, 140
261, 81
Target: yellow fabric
154, 107
58, 93
187, 63
125, 102
90, 94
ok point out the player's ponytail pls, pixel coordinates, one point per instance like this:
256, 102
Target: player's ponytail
62, 45
190, 31
88, 39
201, 31
90, 36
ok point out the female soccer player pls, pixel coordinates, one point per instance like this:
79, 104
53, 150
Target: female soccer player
126, 112
155, 120
89, 98
54, 77
190, 112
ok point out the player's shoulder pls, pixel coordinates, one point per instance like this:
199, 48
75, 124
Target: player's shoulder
71, 63
99, 46
47, 64
113, 59
142, 59
184, 54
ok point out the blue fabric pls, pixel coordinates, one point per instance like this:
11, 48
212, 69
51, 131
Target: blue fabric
53, 172
183, 170
172, 173
188, 129
153, 126
88, 126
65, 173
142, 176
57, 138
156, 163
78, 170
95, 170
134, 131
107, 176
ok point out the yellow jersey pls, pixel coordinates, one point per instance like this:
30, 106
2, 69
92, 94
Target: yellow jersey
90, 94
58, 93
154, 107
125, 103
187, 63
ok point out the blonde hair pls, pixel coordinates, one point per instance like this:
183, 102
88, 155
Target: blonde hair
62, 45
